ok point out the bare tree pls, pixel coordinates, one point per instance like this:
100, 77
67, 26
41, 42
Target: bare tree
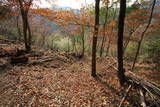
143, 33
94, 42
121, 19
24, 8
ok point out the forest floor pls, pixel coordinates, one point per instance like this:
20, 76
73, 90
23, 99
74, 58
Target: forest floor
58, 79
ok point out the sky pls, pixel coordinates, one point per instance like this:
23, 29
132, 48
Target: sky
75, 4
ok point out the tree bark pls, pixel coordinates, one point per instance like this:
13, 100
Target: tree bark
83, 45
121, 19
18, 29
29, 34
94, 42
74, 45
108, 46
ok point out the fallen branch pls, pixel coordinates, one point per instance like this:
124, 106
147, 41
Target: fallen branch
38, 62
125, 96
143, 103
111, 65
7, 40
142, 84
155, 103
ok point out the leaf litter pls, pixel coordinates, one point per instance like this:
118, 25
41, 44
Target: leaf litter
58, 79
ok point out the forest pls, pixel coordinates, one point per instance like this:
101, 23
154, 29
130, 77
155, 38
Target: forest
86, 53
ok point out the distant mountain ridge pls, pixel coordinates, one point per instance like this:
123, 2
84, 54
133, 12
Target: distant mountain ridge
62, 7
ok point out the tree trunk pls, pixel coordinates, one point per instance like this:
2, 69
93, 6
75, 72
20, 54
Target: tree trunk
139, 43
26, 27
102, 46
83, 48
68, 46
104, 28
43, 40
121, 19
29, 34
25, 33
108, 46
74, 45
94, 42
18, 29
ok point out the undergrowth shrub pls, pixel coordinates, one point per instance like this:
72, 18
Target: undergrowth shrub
130, 51
154, 51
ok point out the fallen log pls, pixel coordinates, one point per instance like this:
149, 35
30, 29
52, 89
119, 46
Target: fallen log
155, 103
11, 52
146, 85
19, 60
7, 40
38, 62
6, 52
140, 84
137, 81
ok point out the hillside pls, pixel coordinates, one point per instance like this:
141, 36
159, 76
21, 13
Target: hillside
53, 78
79, 53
